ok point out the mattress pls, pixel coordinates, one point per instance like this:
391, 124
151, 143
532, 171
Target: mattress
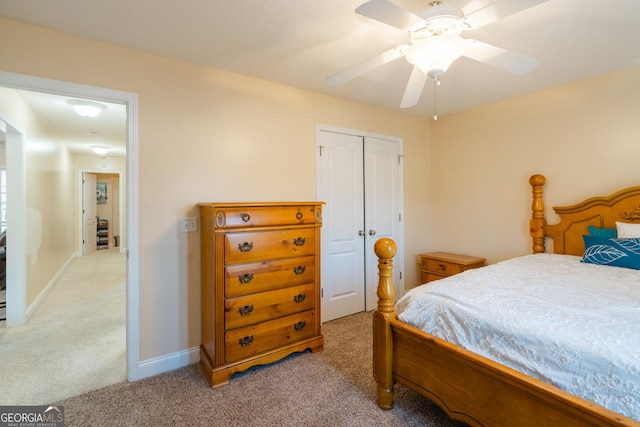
570, 324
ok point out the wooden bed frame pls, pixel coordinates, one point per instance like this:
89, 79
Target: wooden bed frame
474, 389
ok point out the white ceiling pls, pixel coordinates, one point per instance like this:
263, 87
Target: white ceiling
299, 43
80, 133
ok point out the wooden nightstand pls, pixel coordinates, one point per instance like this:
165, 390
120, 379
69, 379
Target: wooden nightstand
438, 265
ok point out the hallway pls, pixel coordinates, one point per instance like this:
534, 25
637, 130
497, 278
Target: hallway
75, 341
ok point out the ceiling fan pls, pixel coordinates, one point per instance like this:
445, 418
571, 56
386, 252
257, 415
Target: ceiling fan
435, 42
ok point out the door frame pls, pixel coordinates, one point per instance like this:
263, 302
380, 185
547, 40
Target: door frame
130, 99
16, 311
399, 258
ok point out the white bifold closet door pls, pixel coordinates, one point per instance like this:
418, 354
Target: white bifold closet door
360, 179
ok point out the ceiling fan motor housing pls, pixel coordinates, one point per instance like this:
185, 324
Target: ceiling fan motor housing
438, 20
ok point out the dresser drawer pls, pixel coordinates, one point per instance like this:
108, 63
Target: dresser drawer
251, 309
264, 245
443, 268
252, 340
430, 277
244, 279
256, 216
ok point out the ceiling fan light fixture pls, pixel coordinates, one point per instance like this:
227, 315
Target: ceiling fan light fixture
86, 108
436, 52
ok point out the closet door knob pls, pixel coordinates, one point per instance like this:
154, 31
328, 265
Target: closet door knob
372, 232
361, 233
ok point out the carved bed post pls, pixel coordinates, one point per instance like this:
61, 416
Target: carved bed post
385, 249
536, 225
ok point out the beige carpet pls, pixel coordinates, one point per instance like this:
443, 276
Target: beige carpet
75, 341
330, 388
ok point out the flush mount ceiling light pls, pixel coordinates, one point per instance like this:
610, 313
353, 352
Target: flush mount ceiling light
86, 108
100, 150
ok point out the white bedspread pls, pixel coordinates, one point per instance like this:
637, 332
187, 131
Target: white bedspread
570, 324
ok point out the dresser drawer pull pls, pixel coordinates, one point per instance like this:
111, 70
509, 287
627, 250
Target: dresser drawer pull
245, 278
299, 269
442, 267
299, 298
245, 247
299, 241
246, 310
300, 326
246, 341
246, 217
299, 215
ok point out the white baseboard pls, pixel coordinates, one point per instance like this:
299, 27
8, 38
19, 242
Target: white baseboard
47, 289
166, 363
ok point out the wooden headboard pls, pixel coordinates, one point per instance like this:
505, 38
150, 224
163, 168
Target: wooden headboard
602, 212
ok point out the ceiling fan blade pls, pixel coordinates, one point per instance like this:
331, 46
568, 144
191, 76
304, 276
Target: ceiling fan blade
414, 88
498, 10
368, 65
389, 13
500, 58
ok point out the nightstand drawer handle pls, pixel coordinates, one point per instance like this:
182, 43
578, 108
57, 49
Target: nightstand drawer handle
246, 341
245, 247
299, 326
299, 298
245, 278
299, 270
246, 217
442, 267
246, 310
299, 215
299, 241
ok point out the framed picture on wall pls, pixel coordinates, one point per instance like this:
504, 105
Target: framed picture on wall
102, 193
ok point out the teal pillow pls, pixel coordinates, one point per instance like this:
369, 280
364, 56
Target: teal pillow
609, 233
616, 252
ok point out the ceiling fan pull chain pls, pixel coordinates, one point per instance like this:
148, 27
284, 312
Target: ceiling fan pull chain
436, 83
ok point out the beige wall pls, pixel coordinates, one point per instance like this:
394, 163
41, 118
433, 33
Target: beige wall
584, 137
50, 195
207, 135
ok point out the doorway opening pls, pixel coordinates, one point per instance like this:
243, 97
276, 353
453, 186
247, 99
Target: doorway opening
99, 211
16, 206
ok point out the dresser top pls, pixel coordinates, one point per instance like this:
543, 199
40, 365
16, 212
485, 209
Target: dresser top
447, 256
258, 204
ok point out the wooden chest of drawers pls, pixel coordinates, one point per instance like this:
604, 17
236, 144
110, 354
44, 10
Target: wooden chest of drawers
437, 265
260, 284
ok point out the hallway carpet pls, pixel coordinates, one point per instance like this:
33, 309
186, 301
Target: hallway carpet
76, 339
